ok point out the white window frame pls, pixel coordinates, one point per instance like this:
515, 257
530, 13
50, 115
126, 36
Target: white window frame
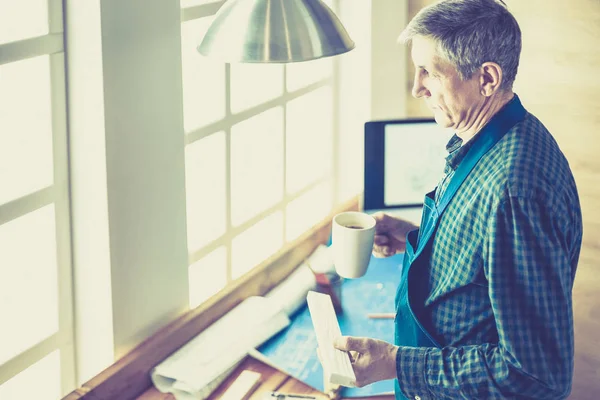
51, 44
230, 119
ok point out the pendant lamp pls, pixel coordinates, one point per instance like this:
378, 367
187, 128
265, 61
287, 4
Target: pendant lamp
274, 31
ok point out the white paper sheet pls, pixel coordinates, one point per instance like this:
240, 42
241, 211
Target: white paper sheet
198, 368
191, 372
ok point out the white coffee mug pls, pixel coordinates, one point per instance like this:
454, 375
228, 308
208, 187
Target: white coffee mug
352, 242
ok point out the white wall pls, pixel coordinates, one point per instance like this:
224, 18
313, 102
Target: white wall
129, 226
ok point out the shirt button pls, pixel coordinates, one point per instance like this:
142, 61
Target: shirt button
417, 398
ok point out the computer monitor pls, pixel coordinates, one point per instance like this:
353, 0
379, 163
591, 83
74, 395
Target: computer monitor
404, 159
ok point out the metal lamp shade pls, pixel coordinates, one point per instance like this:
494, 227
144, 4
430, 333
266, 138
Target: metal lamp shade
275, 31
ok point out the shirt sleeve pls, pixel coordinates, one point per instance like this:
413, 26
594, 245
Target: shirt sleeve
527, 262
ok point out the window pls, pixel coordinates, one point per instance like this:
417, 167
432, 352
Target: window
256, 165
309, 138
204, 89
253, 84
23, 20
262, 167
206, 190
259, 156
302, 74
36, 343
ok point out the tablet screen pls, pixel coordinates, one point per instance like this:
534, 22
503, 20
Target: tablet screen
404, 159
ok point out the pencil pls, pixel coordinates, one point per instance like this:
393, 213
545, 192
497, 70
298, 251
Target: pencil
381, 315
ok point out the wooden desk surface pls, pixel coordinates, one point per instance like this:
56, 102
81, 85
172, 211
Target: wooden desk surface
271, 380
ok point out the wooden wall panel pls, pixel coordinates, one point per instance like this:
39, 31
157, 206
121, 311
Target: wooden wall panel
559, 82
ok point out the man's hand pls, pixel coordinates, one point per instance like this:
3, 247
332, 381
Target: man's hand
372, 360
390, 234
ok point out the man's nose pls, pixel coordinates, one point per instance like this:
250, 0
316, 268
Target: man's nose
418, 89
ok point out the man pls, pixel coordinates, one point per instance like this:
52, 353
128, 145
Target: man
484, 309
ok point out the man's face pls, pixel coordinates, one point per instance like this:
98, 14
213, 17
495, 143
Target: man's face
454, 102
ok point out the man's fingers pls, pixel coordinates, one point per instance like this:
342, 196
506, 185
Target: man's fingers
341, 343
379, 216
379, 252
348, 343
382, 222
383, 251
381, 240
389, 248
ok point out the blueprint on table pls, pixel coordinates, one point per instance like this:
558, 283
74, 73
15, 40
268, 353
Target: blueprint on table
293, 350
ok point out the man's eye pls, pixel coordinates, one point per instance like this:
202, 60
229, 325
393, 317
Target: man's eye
425, 72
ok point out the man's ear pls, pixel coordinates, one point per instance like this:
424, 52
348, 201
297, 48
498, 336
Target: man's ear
490, 78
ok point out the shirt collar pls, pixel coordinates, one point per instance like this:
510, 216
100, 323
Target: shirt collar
456, 153
513, 111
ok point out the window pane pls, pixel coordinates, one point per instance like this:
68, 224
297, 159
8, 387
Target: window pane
256, 165
303, 74
203, 78
308, 210
25, 128
28, 281
22, 19
253, 84
41, 381
309, 131
205, 188
207, 276
256, 244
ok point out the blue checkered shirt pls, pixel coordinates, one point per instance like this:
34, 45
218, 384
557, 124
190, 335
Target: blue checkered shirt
499, 292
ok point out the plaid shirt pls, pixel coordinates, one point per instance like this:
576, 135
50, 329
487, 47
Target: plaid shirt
501, 274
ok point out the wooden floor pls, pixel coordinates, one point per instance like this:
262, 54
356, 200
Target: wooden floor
586, 305
272, 380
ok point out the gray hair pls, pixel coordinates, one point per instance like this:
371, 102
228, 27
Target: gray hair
470, 33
